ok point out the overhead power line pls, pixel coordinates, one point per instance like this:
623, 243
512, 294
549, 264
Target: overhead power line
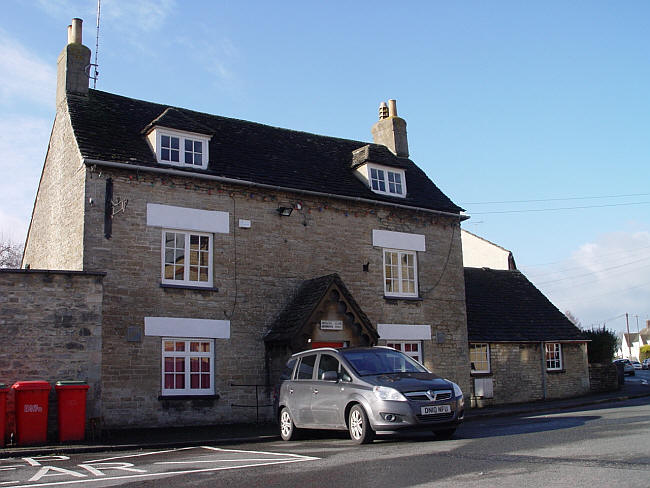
528, 210
556, 199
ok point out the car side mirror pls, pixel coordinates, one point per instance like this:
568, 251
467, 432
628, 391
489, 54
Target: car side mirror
330, 376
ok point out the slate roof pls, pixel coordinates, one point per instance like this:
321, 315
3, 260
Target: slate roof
112, 128
297, 312
503, 306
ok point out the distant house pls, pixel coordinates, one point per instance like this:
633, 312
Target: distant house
632, 342
521, 346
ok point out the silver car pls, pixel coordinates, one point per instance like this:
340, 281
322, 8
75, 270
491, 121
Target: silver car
365, 390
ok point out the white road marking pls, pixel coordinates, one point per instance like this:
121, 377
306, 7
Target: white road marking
258, 452
138, 455
169, 473
217, 461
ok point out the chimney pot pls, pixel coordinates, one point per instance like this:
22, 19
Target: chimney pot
383, 111
70, 34
76, 31
392, 108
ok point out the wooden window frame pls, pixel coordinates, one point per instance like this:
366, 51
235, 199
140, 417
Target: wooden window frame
186, 281
187, 354
400, 278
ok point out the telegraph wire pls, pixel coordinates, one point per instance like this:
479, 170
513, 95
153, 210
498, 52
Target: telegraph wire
528, 210
557, 199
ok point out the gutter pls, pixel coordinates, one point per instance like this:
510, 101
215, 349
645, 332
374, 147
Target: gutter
223, 179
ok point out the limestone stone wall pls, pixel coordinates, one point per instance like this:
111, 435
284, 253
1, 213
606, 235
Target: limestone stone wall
50, 329
256, 270
519, 375
603, 377
55, 236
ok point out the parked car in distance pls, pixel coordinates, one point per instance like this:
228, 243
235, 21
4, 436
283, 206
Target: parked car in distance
628, 368
645, 364
636, 364
365, 390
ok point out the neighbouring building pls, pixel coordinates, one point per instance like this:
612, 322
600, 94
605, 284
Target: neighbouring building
481, 253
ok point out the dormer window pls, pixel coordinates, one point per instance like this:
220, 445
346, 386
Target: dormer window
389, 181
179, 148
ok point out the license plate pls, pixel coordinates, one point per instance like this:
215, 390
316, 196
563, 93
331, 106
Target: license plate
433, 409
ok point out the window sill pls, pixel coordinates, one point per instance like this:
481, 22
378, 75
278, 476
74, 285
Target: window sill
406, 299
188, 397
189, 287
555, 371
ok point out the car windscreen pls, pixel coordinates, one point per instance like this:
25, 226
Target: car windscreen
368, 362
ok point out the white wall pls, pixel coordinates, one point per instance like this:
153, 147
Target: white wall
479, 253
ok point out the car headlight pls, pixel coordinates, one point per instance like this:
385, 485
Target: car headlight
386, 393
457, 391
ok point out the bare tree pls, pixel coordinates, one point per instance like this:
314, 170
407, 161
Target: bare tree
573, 319
11, 254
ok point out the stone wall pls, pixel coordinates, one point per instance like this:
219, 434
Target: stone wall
603, 377
257, 270
519, 375
50, 328
55, 236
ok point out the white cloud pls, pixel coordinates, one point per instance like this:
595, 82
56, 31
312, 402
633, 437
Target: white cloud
602, 280
23, 144
24, 77
128, 18
143, 15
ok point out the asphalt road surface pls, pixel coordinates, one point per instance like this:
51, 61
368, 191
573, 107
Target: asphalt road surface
602, 446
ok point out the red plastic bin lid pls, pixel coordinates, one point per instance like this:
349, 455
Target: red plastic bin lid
31, 385
71, 385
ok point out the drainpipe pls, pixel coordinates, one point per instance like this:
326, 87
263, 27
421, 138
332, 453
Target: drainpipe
543, 356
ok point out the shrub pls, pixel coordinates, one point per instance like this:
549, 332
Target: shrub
645, 352
602, 347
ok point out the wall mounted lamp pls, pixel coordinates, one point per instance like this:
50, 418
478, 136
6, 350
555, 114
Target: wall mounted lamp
285, 211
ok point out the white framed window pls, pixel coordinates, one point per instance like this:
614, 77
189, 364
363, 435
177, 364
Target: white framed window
181, 149
553, 353
479, 358
187, 366
389, 181
186, 258
412, 349
400, 273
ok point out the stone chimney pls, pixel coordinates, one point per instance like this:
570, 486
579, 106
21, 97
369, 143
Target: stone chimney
391, 130
73, 65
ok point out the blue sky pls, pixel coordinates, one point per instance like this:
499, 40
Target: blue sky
540, 105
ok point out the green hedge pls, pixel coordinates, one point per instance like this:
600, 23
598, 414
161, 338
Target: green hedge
602, 347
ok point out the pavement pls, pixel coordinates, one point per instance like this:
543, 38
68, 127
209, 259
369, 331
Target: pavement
134, 439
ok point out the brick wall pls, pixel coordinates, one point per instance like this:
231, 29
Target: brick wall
55, 236
257, 271
50, 328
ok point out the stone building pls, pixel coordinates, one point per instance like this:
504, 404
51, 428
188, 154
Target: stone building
175, 259
521, 346
225, 245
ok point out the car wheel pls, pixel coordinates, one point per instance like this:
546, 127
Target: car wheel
359, 426
444, 434
288, 430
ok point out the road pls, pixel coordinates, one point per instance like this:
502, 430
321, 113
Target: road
605, 445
